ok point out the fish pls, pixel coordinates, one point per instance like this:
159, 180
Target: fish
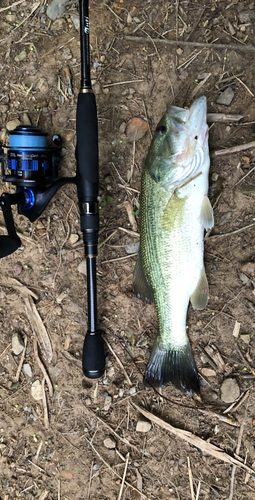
174, 212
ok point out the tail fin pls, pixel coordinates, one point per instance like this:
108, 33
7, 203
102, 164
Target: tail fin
175, 365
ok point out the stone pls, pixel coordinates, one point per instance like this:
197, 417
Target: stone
107, 402
82, 267
73, 238
229, 390
109, 443
56, 9
245, 337
76, 21
208, 372
122, 127
143, 425
249, 268
12, 124
132, 391
36, 390
132, 247
17, 344
21, 56
226, 97
27, 369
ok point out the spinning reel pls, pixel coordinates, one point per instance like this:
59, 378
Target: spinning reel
33, 168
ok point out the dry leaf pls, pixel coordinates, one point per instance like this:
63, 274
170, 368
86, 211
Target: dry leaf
136, 128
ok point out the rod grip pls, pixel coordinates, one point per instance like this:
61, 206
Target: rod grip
93, 357
87, 176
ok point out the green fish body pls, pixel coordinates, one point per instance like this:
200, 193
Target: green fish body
174, 211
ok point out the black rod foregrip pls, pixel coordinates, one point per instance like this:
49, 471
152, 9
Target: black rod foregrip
86, 152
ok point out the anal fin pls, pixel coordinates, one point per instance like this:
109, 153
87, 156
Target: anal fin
206, 215
141, 286
199, 297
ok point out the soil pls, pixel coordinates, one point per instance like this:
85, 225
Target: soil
69, 460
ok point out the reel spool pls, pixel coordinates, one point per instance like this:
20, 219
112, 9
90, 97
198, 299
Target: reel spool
29, 159
33, 170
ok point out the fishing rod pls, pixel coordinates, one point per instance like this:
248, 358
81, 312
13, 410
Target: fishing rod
32, 167
87, 180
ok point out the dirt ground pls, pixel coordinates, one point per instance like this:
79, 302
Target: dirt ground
71, 459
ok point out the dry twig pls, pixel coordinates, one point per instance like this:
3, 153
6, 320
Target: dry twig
42, 368
118, 361
11, 6
39, 329
124, 477
237, 452
45, 407
224, 46
194, 440
21, 360
235, 149
190, 480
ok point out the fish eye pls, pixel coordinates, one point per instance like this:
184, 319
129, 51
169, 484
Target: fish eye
161, 130
196, 137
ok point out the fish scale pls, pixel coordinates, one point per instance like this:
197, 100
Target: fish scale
174, 212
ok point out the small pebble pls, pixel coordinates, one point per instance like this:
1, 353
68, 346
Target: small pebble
143, 425
17, 344
229, 390
36, 390
27, 369
56, 9
132, 247
245, 337
76, 21
13, 124
109, 443
215, 176
82, 267
73, 238
107, 403
226, 97
20, 57
122, 127
249, 268
121, 393
97, 467
132, 391
208, 372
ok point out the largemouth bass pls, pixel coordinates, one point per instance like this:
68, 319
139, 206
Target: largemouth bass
174, 211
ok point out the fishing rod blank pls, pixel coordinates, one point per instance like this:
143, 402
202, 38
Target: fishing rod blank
87, 180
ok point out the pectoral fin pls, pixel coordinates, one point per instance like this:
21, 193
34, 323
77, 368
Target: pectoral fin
199, 297
206, 215
141, 286
174, 212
